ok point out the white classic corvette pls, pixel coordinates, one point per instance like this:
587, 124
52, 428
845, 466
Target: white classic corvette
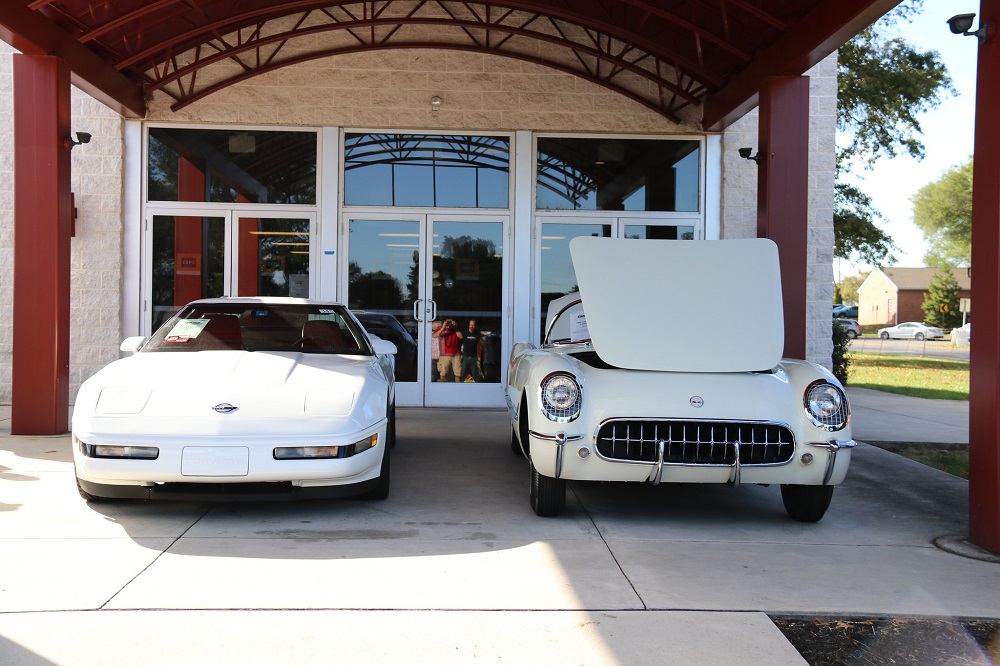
644, 375
241, 398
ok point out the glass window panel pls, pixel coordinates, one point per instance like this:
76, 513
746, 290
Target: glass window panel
426, 170
273, 257
659, 231
188, 262
618, 174
467, 285
558, 276
231, 166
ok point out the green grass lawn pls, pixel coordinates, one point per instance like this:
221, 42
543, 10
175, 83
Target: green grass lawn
910, 375
921, 378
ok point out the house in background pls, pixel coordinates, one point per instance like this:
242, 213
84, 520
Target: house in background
894, 295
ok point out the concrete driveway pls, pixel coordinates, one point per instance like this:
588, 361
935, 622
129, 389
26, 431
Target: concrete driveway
454, 568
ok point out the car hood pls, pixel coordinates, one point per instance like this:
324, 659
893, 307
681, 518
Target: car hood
703, 306
256, 384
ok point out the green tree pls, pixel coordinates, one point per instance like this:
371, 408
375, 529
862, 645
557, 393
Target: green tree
848, 287
943, 212
884, 85
942, 300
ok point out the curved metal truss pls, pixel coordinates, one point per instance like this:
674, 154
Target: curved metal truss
665, 56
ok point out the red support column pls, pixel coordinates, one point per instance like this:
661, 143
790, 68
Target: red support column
783, 194
42, 227
984, 394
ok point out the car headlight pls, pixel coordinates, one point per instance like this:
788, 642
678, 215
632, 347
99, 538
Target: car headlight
122, 452
561, 397
319, 452
826, 405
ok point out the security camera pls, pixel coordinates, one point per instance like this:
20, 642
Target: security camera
83, 137
745, 153
960, 23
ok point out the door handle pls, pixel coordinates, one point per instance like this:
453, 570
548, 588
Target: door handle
417, 310
434, 309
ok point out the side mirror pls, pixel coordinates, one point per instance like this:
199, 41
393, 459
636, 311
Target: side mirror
382, 346
132, 344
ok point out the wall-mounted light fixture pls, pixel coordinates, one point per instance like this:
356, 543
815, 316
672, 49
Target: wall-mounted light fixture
959, 24
746, 153
77, 139
435, 103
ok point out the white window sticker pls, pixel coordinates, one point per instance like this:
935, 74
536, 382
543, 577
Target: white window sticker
186, 330
578, 330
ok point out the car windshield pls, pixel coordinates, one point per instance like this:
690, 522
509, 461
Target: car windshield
309, 328
568, 326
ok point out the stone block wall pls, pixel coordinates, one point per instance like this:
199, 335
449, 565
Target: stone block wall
96, 259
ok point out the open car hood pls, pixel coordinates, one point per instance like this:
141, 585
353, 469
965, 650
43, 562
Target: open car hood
701, 306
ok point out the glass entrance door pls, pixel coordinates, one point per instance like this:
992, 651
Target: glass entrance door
194, 254
434, 286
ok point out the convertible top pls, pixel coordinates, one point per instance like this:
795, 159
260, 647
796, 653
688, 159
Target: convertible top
684, 306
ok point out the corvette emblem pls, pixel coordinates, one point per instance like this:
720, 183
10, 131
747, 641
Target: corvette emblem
696, 401
225, 408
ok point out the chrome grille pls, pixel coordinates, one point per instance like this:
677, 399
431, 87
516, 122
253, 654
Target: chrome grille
696, 442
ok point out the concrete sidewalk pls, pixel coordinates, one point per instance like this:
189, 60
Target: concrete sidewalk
454, 567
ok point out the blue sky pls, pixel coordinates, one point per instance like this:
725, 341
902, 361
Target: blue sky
947, 132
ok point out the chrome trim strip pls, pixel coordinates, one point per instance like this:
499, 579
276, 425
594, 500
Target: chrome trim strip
833, 446
657, 476
510, 407
552, 322
734, 475
558, 437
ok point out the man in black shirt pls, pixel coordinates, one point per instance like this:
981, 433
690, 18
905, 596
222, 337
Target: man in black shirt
472, 344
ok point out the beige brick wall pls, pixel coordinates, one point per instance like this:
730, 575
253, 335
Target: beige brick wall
393, 90
96, 258
739, 199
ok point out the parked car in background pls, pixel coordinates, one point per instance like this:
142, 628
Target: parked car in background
846, 311
240, 398
911, 330
612, 396
853, 330
388, 328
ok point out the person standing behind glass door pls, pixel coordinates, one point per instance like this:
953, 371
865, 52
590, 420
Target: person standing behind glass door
435, 350
472, 348
449, 364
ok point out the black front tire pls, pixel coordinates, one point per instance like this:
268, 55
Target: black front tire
806, 504
390, 428
919, 336
884, 335
852, 335
548, 495
87, 496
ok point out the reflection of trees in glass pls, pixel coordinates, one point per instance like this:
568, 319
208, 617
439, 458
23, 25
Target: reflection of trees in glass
253, 166
373, 290
475, 272
281, 255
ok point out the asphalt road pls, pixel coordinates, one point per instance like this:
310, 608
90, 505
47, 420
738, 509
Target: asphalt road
927, 348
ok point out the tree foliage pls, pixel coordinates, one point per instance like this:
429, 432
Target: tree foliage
941, 304
848, 287
884, 85
942, 210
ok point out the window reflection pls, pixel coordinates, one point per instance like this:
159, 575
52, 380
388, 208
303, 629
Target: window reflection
558, 276
426, 170
659, 231
188, 262
617, 174
231, 166
273, 257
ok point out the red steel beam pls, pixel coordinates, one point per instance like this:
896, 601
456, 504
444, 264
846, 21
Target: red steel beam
984, 383
783, 194
32, 34
820, 33
42, 227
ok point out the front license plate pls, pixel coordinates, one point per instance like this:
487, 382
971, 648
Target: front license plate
215, 461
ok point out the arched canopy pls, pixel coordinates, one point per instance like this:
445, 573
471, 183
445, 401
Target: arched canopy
667, 56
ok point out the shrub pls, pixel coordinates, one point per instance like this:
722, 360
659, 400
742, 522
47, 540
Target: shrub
841, 362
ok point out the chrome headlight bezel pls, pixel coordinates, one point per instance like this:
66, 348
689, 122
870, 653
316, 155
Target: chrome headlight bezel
560, 397
826, 405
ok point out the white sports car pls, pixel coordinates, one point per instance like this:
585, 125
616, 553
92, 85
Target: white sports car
642, 377
248, 398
